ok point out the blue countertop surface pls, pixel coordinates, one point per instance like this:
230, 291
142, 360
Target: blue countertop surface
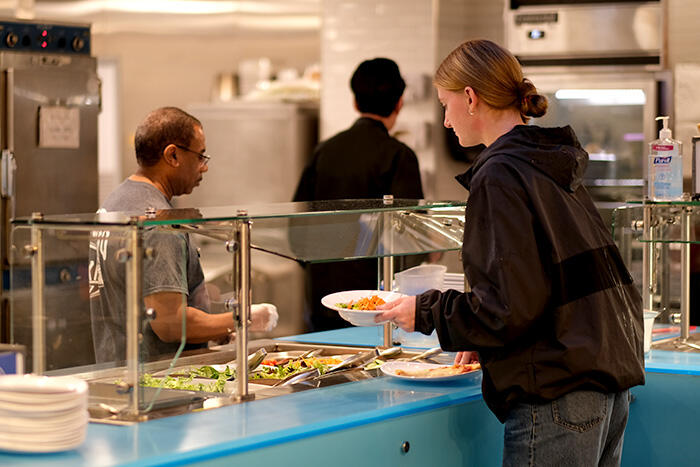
664, 361
209, 434
366, 336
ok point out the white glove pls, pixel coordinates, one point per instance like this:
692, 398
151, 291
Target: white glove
263, 317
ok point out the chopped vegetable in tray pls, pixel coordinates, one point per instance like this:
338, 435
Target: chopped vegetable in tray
366, 303
182, 382
291, 367
211, 372
187, 382
274, 371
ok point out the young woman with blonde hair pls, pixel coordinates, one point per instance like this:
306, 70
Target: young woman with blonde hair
553, 313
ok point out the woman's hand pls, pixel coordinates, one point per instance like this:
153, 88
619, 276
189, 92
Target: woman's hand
465, 357
401, 312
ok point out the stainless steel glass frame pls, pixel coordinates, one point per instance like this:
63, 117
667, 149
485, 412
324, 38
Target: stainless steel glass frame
395, 227
659, 226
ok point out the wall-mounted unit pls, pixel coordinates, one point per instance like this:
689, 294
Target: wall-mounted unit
592, 32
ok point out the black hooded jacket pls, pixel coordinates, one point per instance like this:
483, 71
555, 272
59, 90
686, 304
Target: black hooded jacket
552, 308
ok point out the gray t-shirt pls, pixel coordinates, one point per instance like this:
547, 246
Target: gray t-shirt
174, 268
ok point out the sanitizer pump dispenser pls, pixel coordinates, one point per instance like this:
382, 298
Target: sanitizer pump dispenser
665, 171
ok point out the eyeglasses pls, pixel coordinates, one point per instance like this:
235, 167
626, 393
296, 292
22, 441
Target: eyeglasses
203, 158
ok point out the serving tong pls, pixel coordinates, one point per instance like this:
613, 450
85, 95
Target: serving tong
424, 355
254, 360
356, 360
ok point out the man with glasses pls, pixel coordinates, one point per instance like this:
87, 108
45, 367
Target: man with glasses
170, 151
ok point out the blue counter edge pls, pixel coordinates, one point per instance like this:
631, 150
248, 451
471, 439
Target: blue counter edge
292, 434
666, 361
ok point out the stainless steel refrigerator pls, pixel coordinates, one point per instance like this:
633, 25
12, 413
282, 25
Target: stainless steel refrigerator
49, 104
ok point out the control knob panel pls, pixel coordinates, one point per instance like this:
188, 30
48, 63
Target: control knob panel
23, 36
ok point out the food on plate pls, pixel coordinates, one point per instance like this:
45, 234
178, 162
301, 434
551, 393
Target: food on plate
365, 304
439, 371
291, 367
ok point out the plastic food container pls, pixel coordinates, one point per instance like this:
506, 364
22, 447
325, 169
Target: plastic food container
649, 317
413, 282
420, 278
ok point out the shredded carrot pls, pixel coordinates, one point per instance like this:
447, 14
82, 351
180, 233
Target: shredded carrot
367, 303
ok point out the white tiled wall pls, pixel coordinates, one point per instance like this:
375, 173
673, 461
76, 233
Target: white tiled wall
357, 30
417, 34
457, 21
686, 78
353, 31
683, 28
684, 60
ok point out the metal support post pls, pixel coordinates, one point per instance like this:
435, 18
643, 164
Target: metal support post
36, 251
241, 317
388, 269
685, 274
388, 261
664, 275
133, 312
648, 259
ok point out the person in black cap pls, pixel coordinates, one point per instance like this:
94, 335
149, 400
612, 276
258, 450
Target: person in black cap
361, 162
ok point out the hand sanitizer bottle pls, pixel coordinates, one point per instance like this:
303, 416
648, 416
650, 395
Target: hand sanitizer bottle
665, 174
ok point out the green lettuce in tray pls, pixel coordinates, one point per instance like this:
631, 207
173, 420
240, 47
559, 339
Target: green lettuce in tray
187, 382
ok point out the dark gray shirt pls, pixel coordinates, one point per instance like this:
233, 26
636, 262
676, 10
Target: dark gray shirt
174, 268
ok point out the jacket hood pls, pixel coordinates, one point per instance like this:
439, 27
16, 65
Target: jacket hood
555, 152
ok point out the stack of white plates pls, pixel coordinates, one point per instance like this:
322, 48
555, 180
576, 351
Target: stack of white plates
42, 414
453, 281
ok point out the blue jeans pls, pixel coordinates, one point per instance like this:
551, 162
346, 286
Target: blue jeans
582, 428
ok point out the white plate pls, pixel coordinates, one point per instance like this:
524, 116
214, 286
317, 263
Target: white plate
357, 317
34, 446
43, 410
42, 384
37, 398
390, 368
57, 437
69, 421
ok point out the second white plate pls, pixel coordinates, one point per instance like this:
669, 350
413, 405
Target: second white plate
390, 368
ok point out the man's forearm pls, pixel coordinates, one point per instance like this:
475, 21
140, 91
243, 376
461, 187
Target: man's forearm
199, 325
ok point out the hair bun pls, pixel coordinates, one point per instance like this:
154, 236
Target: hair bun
531, 103
534, 105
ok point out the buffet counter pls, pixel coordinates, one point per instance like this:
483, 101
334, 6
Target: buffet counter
377, 421
370, 419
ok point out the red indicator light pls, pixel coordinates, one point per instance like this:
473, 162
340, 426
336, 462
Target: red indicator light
44, 44
44, 33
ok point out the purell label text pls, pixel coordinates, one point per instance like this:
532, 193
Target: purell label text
662, 147
662, 160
